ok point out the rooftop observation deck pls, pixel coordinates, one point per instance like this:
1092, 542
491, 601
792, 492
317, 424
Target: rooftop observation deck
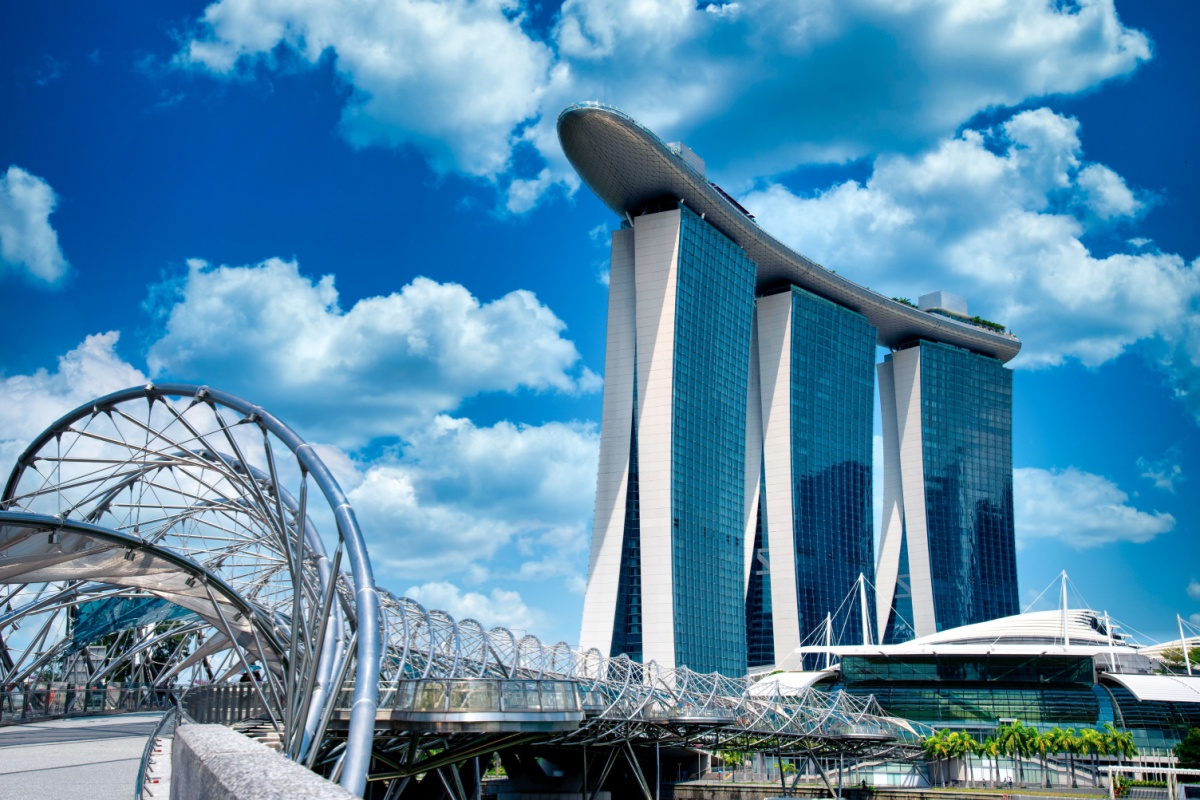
632, 171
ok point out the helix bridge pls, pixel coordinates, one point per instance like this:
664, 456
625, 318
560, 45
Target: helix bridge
203, 541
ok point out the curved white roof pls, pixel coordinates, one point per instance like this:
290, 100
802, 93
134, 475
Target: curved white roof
1035, 633
632, 170
1157, 650
1161, 688
1084, 627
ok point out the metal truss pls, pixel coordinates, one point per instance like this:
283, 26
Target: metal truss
199, 498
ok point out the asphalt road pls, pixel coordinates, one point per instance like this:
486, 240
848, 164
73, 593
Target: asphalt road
91, 758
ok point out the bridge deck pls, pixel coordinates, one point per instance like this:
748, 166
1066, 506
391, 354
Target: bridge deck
89, 757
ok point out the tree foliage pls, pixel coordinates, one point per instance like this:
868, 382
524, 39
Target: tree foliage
1019, 742
1188, 750
1172, 658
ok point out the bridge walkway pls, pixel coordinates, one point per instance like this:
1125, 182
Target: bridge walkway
86, 757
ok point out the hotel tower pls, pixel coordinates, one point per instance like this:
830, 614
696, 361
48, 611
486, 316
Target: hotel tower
733, 513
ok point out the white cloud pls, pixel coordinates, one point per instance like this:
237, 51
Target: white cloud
456, 500
1164, 473
1194, 619
460, 495
270, 333
453, 499
28, 243
601, 236
524, 194
453, 78
1193, 589
1079, 509
757, 87
501, 607
988, 215
29, 403
1105, 193
777, 83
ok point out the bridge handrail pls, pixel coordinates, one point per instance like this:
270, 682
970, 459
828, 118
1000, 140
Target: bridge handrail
174, 716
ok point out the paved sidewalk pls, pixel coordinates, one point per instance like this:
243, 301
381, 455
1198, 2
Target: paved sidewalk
90, 758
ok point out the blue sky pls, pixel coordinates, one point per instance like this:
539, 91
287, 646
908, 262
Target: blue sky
357, 215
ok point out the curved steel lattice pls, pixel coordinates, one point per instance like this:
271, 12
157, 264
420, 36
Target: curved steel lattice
192, 496
197, 474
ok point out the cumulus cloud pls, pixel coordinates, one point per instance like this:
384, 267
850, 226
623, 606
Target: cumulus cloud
1079, 509
501, 607
1193, 589
29, 403
757, 86
28, 243
1000, 216
349, 376
453, 78
452, 499
1105, 193
455, 500
774, 84
458, 494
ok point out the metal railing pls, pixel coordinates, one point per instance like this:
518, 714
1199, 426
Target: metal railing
174, 717
224, 704
474, 695
62, 699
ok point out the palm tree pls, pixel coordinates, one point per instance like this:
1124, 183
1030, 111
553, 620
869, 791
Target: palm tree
1060, 739
1046, 743
991, 748
1029, 738
955, 745
1008, 739
1017, 740
968, 747
1120, 743
937, 748
1092, 742
1073, 745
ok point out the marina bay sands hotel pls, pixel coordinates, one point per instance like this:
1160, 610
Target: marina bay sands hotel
734, 505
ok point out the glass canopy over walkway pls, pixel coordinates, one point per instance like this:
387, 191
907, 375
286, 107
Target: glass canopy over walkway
189, 537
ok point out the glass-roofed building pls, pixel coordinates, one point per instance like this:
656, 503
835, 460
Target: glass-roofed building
1045, 669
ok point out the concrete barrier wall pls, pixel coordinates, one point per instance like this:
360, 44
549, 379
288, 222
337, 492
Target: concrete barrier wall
212, 762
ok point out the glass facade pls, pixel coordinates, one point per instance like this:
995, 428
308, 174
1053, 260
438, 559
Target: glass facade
832, 420
627, 623
760, 630
899, 627
1156, 726
970, 691
714, 308
966, 418
1041, 691
985, 706
992, 668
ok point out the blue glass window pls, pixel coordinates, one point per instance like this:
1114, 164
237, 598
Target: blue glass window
627, 623
760, 630
714, 310
832, 419
966, 418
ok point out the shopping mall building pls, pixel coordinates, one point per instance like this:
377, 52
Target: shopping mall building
1045, 669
